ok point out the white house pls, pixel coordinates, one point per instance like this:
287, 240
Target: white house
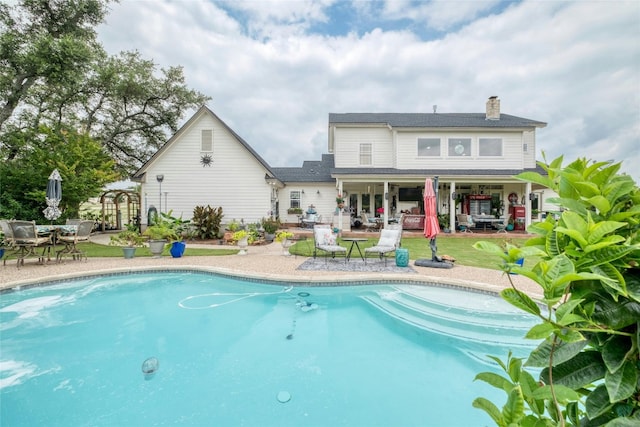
375, 160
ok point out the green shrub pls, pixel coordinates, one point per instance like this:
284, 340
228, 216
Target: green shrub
589, 276
206, 221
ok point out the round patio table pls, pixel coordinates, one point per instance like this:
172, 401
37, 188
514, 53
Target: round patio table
355, 241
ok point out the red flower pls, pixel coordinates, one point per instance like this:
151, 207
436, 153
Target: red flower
380, 210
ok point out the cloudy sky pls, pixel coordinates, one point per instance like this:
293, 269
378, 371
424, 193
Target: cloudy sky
276, 69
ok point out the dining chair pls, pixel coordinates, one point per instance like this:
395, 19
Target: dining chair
465, 223
27, 241
82, 233
502, 226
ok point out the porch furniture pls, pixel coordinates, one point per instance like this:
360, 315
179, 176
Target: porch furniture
486, 220
465, 223
502, 226
82, 233
355, 241
412, 222
27, 242
389, 241
369, 223
325, 241
310, 220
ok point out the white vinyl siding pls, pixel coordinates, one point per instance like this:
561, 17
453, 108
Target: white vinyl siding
428, 147
347, 146
234, 177
459, 147
490, 147
206, 144
366, 155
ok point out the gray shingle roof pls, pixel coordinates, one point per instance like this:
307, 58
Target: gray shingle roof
431, 120
390, 172
311, 171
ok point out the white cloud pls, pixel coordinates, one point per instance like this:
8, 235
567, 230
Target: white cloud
574, 65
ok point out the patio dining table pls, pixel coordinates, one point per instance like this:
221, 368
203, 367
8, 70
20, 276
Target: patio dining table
486, 220
54, 231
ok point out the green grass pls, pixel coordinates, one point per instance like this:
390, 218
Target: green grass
459, 248
103, 251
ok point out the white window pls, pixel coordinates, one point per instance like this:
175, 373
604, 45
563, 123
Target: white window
366, 158
206, 141
490, 147
428, 147
459, 147
294, 199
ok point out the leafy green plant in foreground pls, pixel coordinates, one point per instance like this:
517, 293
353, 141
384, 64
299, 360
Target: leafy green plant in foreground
590, 277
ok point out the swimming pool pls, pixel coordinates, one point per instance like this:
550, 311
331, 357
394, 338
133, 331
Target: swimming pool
232, 352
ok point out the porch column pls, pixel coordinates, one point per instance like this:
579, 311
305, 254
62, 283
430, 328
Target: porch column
385, 203
452, 207
340, 210
527, 205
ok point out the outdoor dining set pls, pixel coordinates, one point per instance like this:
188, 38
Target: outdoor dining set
26, 239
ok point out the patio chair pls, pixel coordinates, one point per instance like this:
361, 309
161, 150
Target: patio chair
325, 241
26, 241
9, 246
82, 233
390, 240
502, 226
465, 222
369, 223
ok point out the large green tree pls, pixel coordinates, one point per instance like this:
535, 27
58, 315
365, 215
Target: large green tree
83, 164
53, 72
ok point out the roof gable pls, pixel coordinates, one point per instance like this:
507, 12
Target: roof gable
194, 118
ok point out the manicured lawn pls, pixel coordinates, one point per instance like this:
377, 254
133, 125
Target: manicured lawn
457, 247
95, 250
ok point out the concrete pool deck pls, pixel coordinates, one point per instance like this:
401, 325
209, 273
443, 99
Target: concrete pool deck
261, 262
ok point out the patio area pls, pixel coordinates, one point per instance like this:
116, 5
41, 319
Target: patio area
261, 262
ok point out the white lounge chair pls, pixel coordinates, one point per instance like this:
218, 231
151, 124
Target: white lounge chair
389, 241
325, 241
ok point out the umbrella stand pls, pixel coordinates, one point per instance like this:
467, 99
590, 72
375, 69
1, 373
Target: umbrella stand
431, 227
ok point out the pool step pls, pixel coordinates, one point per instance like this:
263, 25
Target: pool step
472, 320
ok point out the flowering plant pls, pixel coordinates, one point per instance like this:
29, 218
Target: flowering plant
283, 235
339, 199
380, 210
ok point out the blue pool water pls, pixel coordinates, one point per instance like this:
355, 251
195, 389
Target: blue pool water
236, 353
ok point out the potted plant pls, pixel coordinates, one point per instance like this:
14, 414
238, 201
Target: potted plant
340, 201
1, 244
159, 234
294, 211
180, 227
270, 226
129, 240
284, 238
241, 237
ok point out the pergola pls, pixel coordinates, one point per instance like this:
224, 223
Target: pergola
113, 201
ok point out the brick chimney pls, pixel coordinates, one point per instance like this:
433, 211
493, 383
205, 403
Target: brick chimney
493, 108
